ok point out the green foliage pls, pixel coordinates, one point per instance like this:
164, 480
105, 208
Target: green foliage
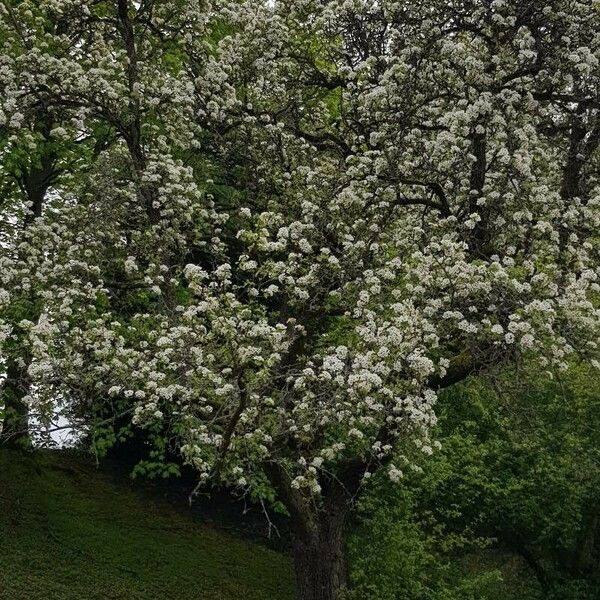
71, 533
514, 491
520, 465
394, 557
157, 464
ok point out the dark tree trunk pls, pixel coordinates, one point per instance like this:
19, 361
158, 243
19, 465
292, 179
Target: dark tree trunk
15, 424
545, 578
319, 530
320, 560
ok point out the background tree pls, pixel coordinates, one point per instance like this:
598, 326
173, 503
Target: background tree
36, 150
520, 466
79, 67
517, 475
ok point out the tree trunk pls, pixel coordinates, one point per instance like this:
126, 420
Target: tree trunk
15, 424
545, 579
320, 560
319, 529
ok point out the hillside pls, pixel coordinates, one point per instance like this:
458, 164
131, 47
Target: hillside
69, 532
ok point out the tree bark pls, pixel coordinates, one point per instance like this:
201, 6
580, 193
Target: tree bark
319, 531
320, 560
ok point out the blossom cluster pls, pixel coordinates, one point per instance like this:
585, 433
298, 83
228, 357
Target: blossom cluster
289, 231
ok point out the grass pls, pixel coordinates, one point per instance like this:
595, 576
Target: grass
69, 532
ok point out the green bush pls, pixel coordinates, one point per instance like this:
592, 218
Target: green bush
394, 557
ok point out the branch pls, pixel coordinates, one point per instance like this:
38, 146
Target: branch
233, 422
292, 499
435, 188
461, 366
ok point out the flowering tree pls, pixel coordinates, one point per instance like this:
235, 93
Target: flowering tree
312, 217
33, 160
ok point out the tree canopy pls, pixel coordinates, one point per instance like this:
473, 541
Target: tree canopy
272, 232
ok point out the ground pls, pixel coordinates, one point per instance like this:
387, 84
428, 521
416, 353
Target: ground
71, 532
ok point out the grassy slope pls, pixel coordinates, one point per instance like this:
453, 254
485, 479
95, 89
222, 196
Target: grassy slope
67, 532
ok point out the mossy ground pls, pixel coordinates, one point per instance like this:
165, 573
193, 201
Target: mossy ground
70, 532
